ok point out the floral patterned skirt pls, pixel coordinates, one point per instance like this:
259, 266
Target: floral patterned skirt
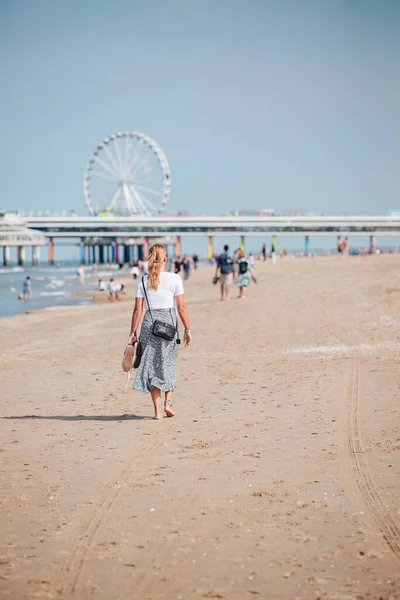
158, 364
243, 280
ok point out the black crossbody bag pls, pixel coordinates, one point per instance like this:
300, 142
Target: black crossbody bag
166, 331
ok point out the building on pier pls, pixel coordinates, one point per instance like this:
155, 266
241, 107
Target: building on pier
14, 232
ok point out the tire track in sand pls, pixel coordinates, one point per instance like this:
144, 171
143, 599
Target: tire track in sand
355, 454
73, 576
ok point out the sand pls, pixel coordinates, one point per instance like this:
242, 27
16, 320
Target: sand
278, 478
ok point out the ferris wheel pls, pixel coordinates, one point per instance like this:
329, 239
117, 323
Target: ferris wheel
127, 174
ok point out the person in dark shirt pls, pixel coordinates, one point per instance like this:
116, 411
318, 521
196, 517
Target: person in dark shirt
225, 268
177, 265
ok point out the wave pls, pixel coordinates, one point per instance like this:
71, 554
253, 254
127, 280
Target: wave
52, 294
12, 270
55, 283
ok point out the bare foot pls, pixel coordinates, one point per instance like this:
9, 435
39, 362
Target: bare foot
158, 417
168, 411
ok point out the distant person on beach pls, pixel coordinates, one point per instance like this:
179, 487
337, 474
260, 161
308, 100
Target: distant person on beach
245, 273
346, 247
186, 267
264, 252
101, 286
94, 269
339, 244
142, 266
195, 261
81, 274
177, 265
118, 288
27, 289
112, 290
135, 271
225, 267
235, 265
273, 251
159, 292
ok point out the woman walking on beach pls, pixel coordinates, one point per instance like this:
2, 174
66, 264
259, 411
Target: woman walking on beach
158, 291
245, 272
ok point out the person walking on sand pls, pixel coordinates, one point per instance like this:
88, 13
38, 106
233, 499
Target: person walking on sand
235, 265
158, 292
186, 267
225, 266
245, 272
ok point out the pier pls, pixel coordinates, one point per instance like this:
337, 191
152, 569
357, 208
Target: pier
125, 239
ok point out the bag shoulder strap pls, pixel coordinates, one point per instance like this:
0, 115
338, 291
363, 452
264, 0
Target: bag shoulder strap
147, 300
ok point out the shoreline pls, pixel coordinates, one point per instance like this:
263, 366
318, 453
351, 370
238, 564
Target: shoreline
94, 297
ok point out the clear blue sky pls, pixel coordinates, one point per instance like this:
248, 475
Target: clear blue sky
284, 104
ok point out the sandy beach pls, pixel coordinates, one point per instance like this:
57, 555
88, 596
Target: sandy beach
278, 479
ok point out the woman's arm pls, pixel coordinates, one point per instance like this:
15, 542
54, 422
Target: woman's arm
254, 278
184, 315
136, 316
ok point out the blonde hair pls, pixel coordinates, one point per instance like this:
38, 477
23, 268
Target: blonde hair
241, 254
157, 258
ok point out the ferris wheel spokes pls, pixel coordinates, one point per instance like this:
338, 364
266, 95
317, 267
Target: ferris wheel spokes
149, 190
140, 166
115, 199
111, 158
135, 158
140, 201
104, 165
111, 178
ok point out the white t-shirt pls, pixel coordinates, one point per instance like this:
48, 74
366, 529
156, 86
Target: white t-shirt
170, 285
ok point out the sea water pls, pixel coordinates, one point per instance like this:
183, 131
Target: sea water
51, 286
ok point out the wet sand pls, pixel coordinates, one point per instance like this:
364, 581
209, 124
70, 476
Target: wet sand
278, 478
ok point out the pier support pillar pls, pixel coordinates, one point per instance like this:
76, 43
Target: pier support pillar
127, 254
50, 251
101, 254
178, 246
210, 252
6, 256
306, 245
21, 256
35, 255
146, 248
140, 252
242, 243
82, 251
